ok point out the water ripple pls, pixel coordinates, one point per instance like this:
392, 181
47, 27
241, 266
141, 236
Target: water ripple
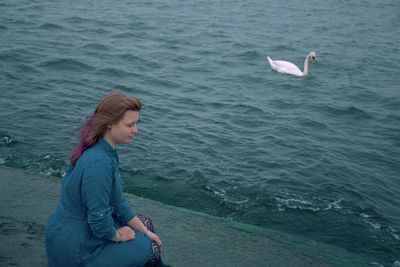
65, 64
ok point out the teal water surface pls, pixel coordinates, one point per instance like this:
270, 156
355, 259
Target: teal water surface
220, 132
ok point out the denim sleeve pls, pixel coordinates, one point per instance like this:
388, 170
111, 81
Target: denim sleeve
97, 185
124, 211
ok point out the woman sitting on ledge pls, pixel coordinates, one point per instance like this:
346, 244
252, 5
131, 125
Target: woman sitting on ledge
93, 225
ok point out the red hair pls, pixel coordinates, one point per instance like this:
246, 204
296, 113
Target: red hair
110, 110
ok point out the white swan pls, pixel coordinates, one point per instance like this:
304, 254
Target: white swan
290, 68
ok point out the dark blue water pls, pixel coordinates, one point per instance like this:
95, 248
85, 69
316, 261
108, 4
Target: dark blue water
220, 132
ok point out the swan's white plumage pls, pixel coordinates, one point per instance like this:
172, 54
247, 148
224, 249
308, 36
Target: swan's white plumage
288, 67
284, 67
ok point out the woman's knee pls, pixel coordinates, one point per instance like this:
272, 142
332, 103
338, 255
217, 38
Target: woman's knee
146, 221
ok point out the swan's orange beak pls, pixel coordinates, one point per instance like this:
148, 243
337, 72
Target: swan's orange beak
313, 60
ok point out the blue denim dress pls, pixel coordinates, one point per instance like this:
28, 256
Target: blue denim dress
90, 210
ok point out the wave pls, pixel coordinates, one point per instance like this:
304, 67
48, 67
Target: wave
96, 47
80, 20
66, 64
350, 112
226, 197
6, 140
15, 55
51, 26
113, 72
299, 203
126, 35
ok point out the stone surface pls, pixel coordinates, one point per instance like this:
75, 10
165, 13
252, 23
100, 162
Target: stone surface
189, 238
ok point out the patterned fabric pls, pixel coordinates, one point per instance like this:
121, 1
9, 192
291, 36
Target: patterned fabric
155, 258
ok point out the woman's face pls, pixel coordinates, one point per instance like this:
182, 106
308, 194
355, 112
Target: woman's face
123, 131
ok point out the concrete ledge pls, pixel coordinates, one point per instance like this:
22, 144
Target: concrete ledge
189, 238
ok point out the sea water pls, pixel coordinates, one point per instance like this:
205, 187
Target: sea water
220, 132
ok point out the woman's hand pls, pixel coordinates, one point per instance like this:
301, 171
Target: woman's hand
155, 238
125, 233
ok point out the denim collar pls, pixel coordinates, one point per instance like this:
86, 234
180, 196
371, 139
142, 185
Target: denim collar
104, 144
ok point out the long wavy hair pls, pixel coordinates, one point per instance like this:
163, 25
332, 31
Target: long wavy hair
110, 110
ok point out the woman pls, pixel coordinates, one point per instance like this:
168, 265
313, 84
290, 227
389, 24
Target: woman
93, 224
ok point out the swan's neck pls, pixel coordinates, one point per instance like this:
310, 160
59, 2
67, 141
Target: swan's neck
305, 72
